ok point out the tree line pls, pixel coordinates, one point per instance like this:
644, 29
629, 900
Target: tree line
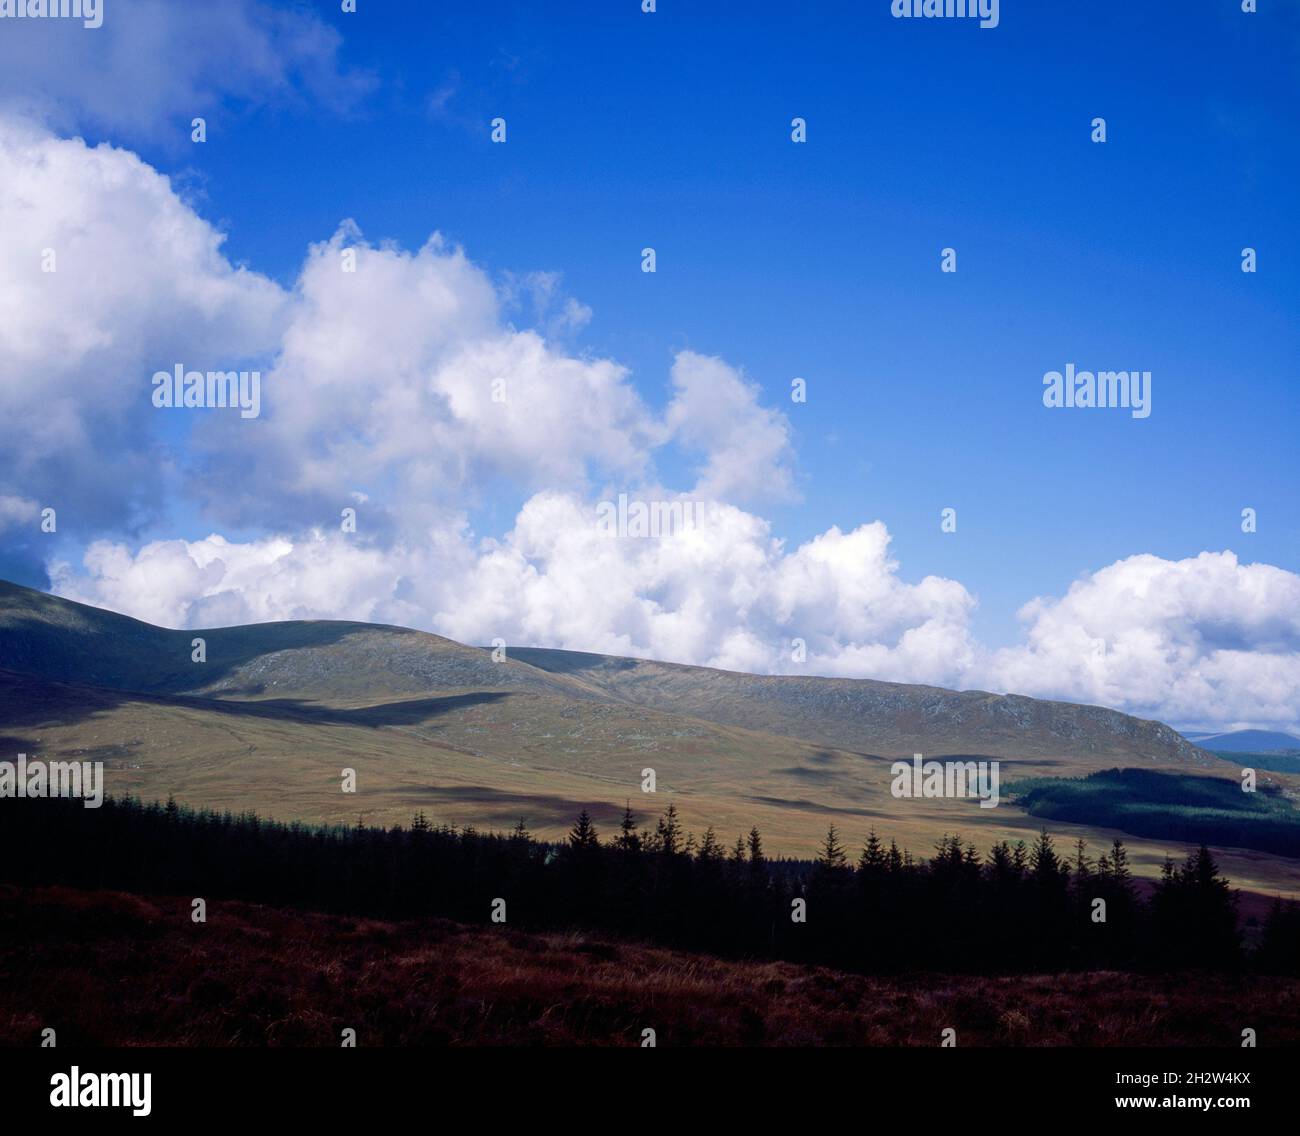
1019, 907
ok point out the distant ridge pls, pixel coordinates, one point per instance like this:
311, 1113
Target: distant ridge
1247, 741
346, 662
867, 715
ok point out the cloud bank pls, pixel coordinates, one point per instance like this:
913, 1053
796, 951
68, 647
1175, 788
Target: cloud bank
397, 385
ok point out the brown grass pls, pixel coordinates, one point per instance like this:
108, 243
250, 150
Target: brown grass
113, 969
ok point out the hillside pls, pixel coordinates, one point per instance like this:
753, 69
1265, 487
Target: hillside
884, 718
1250, 741
340, 663
278, 710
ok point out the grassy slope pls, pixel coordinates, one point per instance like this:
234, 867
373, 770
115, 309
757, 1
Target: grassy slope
883, 718
278, 710
114, 969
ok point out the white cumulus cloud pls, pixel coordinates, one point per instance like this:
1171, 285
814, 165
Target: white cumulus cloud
724, 593
404, 389
105, 277
1206, 639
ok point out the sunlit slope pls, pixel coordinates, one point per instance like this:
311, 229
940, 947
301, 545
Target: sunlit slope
279, 710
351, 664
490, 761
886, 718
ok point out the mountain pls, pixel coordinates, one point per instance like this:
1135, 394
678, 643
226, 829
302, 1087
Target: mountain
277, 711
886, 718
342, 663
1248, 741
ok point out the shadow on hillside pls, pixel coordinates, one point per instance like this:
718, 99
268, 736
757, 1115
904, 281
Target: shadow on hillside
569, 662
404, 712
27, 701
497, 806
814, 807
103, 649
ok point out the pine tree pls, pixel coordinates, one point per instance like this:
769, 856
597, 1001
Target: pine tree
832, 854
582, 835
1212, 910
895, 860
1168, 916
738, 852
628, 840
668, 832
1082, 863
1044, 861
1120, 890
1001, 867
1119, 863
872, 859
1019, 858
756, 858
711, 851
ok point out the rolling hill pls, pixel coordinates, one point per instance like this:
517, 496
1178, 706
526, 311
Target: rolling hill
277, 711
1249, 741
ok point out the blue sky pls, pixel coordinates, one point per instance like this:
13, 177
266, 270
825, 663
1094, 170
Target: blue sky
821, 260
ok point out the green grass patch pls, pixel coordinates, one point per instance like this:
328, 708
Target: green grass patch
1167, 806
